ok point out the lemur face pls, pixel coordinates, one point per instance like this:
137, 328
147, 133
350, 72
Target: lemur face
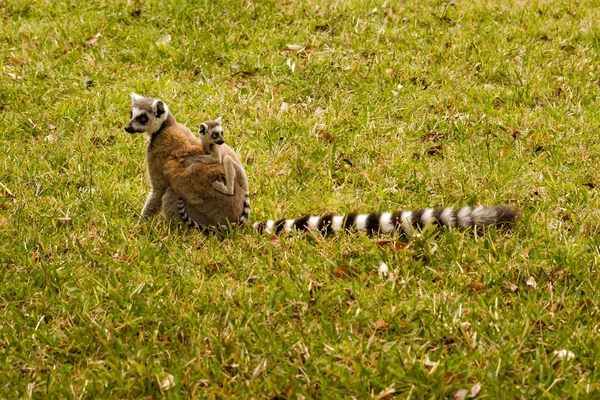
147, 115
211, 132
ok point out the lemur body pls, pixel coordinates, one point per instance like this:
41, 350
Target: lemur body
175, 186
210, 134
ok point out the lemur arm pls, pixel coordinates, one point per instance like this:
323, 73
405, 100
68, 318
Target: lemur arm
202, 158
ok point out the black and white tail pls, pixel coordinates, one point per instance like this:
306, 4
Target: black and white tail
246, 210
404, 221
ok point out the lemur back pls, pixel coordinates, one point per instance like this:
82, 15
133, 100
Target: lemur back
170, 144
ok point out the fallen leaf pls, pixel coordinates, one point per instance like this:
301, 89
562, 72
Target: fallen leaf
385, 393
475, 390
476, 286
214, 267
461, 394
396, 245
381, 325
344, 271
51, 127
309, 49
294, 47
531, 282
163, 40
465, 326
3, 222
165, 380
511, 286
63, 221
563, 355
389, 71
383, 269
93, 40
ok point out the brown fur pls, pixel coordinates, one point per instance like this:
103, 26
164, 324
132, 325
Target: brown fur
170, 180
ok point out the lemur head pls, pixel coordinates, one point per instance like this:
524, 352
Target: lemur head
211, 132
147, 115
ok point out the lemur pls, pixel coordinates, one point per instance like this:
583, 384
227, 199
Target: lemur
170, 149
210, 134
174, 185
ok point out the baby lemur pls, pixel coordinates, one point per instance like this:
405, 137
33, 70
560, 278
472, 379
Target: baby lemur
173, 184
210, 134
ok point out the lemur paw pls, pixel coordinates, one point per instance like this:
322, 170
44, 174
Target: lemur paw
220, 186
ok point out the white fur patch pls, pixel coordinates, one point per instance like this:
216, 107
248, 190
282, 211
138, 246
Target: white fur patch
427, 216
446, 218
313, 223
337, 222
288, 225
480, 216
385, 223
464, 217
361, 222
270, 226
406, 223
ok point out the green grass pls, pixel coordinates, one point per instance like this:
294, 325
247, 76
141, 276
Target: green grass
108, 306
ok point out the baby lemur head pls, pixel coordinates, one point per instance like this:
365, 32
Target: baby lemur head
211, 132
147, 115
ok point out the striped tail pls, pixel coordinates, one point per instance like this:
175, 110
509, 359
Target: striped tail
246, 210
185, 217
404, 221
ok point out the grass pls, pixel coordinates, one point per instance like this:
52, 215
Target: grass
389, 105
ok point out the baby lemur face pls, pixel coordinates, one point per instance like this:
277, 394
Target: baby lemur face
211, 132
147, 115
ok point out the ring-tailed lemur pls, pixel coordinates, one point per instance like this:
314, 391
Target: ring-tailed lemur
170, 144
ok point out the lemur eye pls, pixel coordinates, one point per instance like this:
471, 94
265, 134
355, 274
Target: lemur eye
214, 135
142, 119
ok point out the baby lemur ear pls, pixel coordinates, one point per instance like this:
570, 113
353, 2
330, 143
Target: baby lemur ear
203, 129
218, 121
160, 108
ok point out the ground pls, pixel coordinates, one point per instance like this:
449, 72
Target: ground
333, 106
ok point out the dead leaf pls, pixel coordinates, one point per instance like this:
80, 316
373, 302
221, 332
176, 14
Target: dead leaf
475, 390
344, 271
389, 71
461, 394
531, 282
563, 355
3, 222
214, 267
93, 40
475, 286
51, 127
383, 269
63, 221
511, 286
294, 47
396, 245
163, 40
165, 380
309, 49
385, 393
434, 150
381, 325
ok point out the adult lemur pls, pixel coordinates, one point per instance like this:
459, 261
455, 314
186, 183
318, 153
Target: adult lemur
188, 191
185, 193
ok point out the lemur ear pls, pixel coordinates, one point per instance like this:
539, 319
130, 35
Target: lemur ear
160, 108
218, 121
135, 97
203, 129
